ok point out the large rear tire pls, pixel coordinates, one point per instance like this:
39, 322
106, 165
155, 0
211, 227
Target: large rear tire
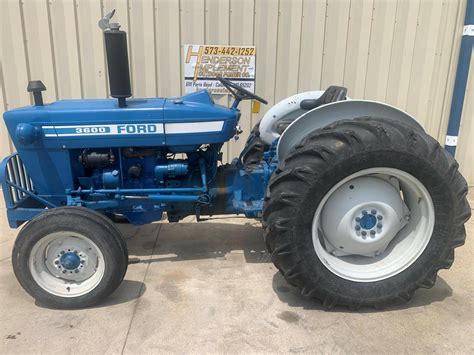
70, 257
323, 198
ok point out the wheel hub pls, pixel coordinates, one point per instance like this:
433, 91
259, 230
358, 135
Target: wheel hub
70, 260
367, 221
362, 216
68, 264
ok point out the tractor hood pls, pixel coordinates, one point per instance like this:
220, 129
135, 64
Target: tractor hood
190, 120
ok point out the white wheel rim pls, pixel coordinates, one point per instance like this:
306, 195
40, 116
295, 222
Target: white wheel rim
66, 264
401, 250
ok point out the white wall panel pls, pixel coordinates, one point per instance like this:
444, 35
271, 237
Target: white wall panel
66, 50
288, 48
14, 71
265, 40
143, 50
13, 55
39, 45
357, 47
335, 42
91, 49
168, 50
429, 20
313, 25
403, 52
401, 57
380, 49
5, 147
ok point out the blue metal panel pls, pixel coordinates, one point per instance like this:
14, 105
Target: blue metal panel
89, 112
198, 109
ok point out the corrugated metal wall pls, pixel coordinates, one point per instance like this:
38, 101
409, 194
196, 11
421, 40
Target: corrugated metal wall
403, 52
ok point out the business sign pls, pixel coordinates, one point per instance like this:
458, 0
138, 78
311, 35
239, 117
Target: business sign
204, 63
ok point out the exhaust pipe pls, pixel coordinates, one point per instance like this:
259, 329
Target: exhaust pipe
117, 59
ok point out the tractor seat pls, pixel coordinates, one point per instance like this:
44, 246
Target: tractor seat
332, 94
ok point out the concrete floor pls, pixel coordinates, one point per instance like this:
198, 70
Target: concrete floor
210, 287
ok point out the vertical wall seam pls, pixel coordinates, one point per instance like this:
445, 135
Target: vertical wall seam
78, 43
300, 45
155, 47
391, 49
106, 71
181, 64
129, 34
2, 84
456, 38
413, 56
205, 19
53, 51
324, 45
436, 73
347, 44
253, 29
368, 50
253, 44
25, 46
5, 104
276, 53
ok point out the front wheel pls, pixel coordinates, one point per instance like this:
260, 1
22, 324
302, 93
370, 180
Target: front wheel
69, 257
364, 212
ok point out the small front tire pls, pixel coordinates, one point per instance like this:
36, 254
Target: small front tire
69, 257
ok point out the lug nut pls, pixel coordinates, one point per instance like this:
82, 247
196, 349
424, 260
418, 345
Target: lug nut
379, 225
56, 262
76, 271
357, 228
379, 217
357, 219
64, 271
364, 233
372, 232
373, 211
364, 212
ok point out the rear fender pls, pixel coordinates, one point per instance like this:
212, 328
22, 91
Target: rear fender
286, 110
337, 111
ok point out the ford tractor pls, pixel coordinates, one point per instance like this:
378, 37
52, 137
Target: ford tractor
360, 207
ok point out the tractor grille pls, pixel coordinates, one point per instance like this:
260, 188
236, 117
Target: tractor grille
15, 180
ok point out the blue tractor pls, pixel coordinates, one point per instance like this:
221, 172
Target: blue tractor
359, 206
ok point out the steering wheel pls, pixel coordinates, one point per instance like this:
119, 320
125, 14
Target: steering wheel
240, 93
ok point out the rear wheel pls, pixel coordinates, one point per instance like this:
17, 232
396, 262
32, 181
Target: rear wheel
70, 257
364, 212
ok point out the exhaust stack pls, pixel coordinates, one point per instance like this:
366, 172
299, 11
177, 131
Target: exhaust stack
117, 59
